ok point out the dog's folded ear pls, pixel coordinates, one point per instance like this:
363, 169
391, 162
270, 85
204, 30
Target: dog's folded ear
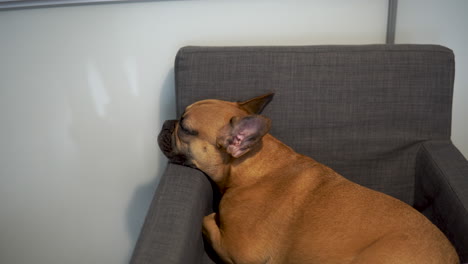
257, 104
243, 133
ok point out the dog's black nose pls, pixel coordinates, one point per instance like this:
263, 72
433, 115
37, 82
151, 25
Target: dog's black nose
165, 137
166, 146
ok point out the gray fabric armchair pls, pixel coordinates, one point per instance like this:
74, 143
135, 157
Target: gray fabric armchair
379, 115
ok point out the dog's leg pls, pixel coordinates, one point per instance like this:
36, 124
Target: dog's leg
213, 235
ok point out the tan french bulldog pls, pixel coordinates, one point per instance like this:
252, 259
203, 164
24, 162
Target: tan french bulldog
282, 207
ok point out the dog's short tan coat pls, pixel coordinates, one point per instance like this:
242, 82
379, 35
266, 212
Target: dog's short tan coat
282, 207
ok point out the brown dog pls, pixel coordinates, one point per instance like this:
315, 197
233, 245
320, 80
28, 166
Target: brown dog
282, 207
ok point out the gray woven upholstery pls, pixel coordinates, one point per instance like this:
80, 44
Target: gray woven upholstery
369, 112
442, 190
172, 230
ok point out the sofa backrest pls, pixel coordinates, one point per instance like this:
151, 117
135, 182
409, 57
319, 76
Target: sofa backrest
362, 110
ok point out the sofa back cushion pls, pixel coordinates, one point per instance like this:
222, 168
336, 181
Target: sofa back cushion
362, 110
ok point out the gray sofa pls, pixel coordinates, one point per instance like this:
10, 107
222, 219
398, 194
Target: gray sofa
378, 114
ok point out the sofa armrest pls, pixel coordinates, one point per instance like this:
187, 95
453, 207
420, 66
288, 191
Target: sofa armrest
172, 229
441, 191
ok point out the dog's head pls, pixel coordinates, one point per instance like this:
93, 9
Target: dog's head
212, 133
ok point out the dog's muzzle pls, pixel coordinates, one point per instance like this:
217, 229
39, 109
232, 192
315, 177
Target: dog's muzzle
165, 137
166, 145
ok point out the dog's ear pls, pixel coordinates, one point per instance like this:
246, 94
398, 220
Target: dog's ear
257, 104
241, 134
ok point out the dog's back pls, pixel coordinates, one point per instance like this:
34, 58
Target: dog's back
304, 212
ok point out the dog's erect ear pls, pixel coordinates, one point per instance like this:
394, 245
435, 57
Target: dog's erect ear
257, 104
241, 134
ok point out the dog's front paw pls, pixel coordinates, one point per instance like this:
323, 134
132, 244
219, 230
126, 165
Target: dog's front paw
209, 223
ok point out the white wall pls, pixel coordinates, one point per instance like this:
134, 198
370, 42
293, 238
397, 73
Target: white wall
84, 91
444, 23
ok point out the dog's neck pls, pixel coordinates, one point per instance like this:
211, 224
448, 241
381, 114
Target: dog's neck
265, 160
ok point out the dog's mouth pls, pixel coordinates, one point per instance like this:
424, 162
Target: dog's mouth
166, 145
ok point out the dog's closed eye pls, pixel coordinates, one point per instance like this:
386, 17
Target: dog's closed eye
185, 129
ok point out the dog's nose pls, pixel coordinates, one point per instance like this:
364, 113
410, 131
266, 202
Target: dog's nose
164, 138
165, 144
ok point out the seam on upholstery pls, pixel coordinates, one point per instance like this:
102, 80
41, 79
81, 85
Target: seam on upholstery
214, 52
276, 49
447, 181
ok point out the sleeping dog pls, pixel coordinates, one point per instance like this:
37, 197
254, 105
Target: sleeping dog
282, 207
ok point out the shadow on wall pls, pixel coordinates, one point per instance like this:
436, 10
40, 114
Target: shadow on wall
141, 199
110, 129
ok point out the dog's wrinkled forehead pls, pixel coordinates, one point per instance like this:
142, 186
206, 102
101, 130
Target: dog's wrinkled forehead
211, 113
